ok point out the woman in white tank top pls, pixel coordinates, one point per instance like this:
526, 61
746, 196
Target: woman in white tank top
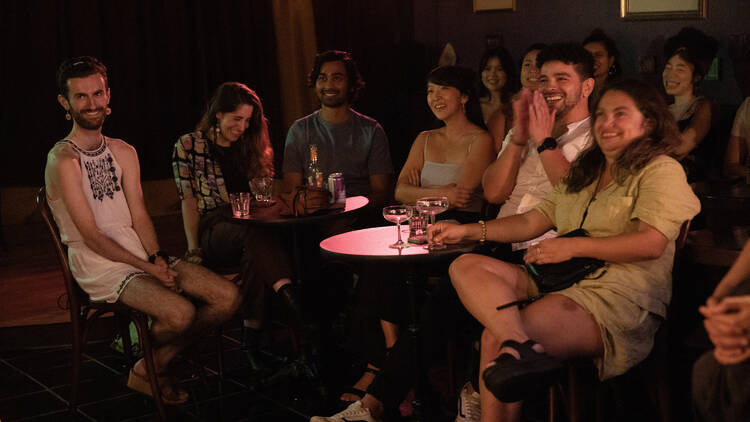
448, 161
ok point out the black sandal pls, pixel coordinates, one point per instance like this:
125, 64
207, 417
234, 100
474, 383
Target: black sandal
356, 391
511, 379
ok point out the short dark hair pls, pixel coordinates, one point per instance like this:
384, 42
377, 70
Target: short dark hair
506, 62
79, 67
569, 53
598, 35
354, 78
458, 77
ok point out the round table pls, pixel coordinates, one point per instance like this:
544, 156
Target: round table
371, 246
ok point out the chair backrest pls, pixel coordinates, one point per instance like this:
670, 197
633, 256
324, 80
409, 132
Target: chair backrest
77, 298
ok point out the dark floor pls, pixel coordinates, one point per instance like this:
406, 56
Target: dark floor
35, 385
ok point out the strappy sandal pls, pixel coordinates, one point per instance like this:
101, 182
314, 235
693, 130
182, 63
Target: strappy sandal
512, 379
170, 394
358, 393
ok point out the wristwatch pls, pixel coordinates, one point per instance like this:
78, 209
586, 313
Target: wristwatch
548, 143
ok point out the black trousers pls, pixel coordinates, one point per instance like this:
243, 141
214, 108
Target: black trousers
258, 250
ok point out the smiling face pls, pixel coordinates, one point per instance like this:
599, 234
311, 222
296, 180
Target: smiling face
332, 85
493, 75
678, 76
233, 124
445, 101
87, 101
563, 90
617, 123
602, 60
530, 71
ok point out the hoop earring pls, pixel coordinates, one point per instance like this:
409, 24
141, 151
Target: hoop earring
108, 111
67, 115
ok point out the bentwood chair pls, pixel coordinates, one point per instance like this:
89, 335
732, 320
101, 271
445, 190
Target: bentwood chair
84, 312
652, 372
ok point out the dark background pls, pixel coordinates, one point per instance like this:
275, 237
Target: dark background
165, 57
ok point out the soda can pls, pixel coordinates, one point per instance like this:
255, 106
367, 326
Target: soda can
336, 187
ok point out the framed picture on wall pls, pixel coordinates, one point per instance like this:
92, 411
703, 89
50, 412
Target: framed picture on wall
663, 9
494, 5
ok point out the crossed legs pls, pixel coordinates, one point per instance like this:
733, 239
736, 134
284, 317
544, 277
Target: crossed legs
560, 326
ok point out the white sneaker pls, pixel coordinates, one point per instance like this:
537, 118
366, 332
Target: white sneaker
469, 409
354, 413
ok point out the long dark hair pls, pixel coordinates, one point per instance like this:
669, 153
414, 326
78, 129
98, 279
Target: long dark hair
662, 138
511, 77
252, 151
598, 35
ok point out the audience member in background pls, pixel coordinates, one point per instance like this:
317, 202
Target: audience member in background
529, 69
736, 158
229, 147
632, 198
688, 57
94, 192
538, 151
721, 391
606, 67
497, 86
348, 142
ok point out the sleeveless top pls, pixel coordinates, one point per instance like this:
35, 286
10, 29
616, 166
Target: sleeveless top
101, 181
440, 174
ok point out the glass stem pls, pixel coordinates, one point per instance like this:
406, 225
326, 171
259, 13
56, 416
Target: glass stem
398, 231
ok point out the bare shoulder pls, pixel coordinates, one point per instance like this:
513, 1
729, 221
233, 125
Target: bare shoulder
62, 153
120, 146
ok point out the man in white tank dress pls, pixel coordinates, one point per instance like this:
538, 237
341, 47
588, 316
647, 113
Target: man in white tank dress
94, 192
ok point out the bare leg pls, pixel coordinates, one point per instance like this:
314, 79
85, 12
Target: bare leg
559, 325
390, 333
176, 321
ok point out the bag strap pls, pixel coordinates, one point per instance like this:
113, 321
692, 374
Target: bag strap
593, 196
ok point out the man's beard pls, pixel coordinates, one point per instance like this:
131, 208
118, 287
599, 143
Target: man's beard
85, 123
566, 107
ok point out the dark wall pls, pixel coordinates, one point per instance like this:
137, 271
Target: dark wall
165, 58
439, 21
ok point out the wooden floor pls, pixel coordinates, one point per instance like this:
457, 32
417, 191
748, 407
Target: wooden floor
31, 286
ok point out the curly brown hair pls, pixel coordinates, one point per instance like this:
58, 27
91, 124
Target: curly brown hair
662, 138
253, 151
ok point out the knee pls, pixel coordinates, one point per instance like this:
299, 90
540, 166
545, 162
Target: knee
229, 299
180, 317
461, 269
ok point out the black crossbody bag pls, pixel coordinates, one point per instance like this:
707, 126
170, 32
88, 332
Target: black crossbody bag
561, 275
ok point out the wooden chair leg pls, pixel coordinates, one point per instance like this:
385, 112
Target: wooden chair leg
76, 351
148, 357
574, 394
220, 352
552, 416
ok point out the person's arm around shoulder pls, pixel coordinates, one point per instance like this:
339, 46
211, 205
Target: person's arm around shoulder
698, 128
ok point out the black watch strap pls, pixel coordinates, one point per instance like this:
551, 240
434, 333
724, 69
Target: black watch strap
548, 143
164, 255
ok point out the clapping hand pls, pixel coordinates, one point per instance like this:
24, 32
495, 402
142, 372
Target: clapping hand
521, 117
541, 119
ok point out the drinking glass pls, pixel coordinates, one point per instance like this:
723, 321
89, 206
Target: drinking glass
432, 205
397, 214
240, 204
261, 187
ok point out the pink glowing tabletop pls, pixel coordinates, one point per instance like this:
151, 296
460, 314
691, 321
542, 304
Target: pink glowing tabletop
372, 244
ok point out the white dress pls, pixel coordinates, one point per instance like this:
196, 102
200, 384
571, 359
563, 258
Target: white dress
101, 180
